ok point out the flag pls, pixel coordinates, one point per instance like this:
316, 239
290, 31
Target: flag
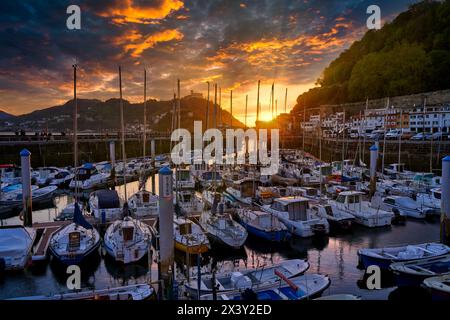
78, 217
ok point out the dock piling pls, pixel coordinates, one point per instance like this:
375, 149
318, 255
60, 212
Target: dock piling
445, 199
373, 169
166, 242
25, 163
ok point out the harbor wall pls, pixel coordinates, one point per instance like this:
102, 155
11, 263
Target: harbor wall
59, 154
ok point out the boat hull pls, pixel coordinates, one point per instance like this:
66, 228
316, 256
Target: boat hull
195, 249
274, 236
71, 259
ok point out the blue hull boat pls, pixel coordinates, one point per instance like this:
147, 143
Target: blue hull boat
263, 225
275, 236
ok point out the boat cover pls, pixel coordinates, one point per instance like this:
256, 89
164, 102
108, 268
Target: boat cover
14, 242
107, 199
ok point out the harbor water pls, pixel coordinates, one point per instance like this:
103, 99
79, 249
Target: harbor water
335, 256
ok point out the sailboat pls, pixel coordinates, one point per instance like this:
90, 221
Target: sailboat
189, 237
126, 240
144, 203
74, 242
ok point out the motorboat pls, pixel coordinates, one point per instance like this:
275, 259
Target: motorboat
338, 219
221, 228
235, 280
183, 179
89, 178
188, 202
209, 178
105, 205
38, 195
243, 190
144, 204
384, 257
431, 200
262, 225
307, 286
130, 292
127, 240
16, 243
295, 214
365, 214
405, 206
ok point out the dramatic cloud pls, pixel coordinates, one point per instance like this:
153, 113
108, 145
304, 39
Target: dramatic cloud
231, 43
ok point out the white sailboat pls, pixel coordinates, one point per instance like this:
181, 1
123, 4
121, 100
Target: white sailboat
73, 243
144, 204
127, 240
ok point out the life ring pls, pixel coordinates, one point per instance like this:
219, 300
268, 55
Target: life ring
21, 216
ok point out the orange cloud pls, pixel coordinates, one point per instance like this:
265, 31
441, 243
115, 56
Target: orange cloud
134, 13
152, 40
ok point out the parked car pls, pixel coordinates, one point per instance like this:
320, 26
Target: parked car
421, 136
394, 134
376, 135
436, 136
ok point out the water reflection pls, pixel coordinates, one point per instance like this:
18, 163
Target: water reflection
335, 255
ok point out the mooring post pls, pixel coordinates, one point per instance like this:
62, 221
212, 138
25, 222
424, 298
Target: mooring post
26, 187
373, 169
445, 201
166, 242
112, 157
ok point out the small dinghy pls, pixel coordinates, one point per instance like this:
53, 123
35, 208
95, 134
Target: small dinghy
16, 243
240, 280
144, 204
308, 286
413, 273
439, 287
75, 242
127, 240
131, 292
384, 257
263, 225
189, 237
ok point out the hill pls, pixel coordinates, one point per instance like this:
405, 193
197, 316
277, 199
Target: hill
407, 56
5, 116
99, 115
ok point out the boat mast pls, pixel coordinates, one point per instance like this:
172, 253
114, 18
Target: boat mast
246, 105
384, 136
257, 103
75, 128
285, 100
220, 108
231, 108
272, 99
400, 137
144, 138
364, 128
207, 107
122, 125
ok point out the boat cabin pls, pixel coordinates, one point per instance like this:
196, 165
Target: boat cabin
306, 192
247, 187
86, 171
350, 199
295, 207
396, 167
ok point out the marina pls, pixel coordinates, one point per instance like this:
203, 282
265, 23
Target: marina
241, 152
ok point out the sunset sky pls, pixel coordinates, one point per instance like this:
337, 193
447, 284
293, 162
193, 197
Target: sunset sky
233, 43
